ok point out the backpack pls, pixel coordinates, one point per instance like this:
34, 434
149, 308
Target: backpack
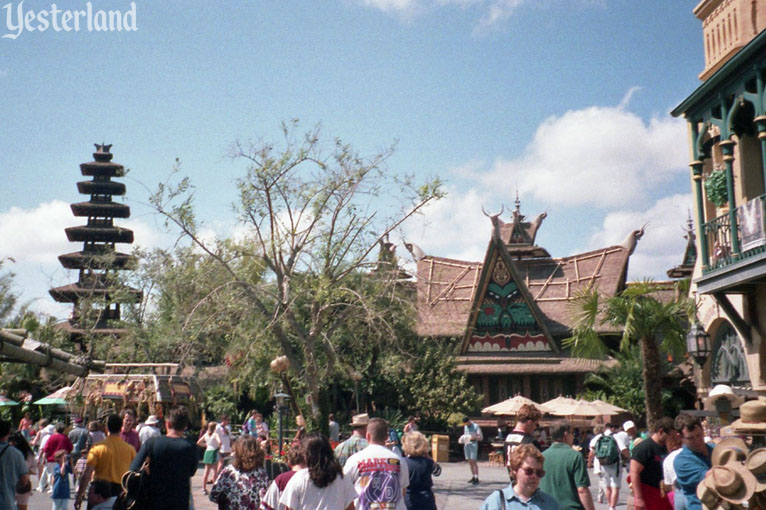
606, 451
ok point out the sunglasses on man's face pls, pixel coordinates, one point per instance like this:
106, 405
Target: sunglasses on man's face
532, 471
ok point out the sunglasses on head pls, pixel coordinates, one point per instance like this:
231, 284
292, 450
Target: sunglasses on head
532, 471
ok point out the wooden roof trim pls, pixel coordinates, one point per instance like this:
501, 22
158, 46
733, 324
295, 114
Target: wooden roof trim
480, 289
451, 285
536, 312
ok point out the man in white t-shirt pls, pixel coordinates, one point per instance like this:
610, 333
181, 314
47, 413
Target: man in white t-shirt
610, 474
380, 476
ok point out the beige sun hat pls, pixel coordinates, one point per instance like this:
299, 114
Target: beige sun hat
732, 482
756, 463
360, 420
729, 449
709, 497
752, 417
723, 391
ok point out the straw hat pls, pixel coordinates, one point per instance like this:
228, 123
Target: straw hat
752, 417
756, 463
723, 391
360, 420
729, 449
707, 496
732, 482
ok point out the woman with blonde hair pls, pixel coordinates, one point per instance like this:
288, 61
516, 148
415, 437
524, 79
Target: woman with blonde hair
242, 484
212, 442
420, 494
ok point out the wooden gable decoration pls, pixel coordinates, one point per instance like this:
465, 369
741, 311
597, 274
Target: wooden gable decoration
504, 317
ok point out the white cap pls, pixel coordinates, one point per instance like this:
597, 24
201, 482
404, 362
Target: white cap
628, 425
152, 420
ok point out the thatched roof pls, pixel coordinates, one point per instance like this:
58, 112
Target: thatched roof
446, 287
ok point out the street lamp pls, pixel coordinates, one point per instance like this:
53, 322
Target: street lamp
698, 343
282, 399
356, 376
279, 366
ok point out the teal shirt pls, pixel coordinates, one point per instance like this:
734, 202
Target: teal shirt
539, 501
565, 471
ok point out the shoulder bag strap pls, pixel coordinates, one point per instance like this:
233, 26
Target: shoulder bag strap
6, 447
502, 497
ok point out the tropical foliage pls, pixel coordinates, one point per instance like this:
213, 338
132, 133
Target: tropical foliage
655, 325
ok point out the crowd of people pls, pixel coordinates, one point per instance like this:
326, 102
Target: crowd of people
373, 468
673, 465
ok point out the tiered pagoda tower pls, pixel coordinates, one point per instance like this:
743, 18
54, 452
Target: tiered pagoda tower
97, 294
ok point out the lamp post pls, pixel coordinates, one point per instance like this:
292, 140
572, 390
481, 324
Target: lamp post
356, 376
282, 399
279, 366
698, 344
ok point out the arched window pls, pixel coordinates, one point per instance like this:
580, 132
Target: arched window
729, 365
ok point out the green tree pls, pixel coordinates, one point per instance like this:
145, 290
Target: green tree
8, 298
313, 219
645, 320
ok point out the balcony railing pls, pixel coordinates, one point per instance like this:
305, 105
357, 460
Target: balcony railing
751, 234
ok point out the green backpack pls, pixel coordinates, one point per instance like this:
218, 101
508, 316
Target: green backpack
606, 451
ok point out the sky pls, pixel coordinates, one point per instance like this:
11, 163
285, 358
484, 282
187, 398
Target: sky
564, 101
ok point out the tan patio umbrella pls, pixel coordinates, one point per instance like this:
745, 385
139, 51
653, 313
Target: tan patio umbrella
577, 408
608, 409
559, 403
512, 405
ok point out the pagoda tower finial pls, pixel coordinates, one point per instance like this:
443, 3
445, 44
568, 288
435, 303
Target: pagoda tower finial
518, 202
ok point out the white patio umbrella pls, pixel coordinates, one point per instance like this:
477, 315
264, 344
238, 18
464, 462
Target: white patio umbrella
608, 409
512, 405
577, 408
559, 402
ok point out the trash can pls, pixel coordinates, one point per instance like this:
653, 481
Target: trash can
440, 448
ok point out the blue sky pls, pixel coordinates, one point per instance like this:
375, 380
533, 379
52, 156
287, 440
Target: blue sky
564, 100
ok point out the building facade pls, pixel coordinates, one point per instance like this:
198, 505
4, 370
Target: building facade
726, 117
512, 310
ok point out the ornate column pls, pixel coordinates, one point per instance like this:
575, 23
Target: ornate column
727, 147
696, 167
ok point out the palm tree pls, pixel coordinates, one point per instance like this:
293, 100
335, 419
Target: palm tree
644, 319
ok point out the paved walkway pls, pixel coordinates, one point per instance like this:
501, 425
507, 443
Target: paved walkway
452, 491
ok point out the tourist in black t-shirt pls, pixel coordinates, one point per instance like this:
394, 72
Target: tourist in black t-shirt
173, 463
646, 468
526, 422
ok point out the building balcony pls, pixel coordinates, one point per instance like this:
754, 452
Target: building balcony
735, 267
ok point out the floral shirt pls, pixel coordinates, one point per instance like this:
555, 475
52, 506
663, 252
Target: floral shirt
239, 490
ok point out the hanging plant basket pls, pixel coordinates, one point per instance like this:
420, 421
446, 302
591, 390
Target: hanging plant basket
715, 188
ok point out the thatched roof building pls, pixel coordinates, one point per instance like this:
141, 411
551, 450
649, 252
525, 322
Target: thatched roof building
513, 309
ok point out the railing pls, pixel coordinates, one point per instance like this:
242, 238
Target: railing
751, 234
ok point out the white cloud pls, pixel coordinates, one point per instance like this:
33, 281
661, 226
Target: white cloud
34, 238
602, 156
401, 7
453, 227
498, 12
490, 15
662, 245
